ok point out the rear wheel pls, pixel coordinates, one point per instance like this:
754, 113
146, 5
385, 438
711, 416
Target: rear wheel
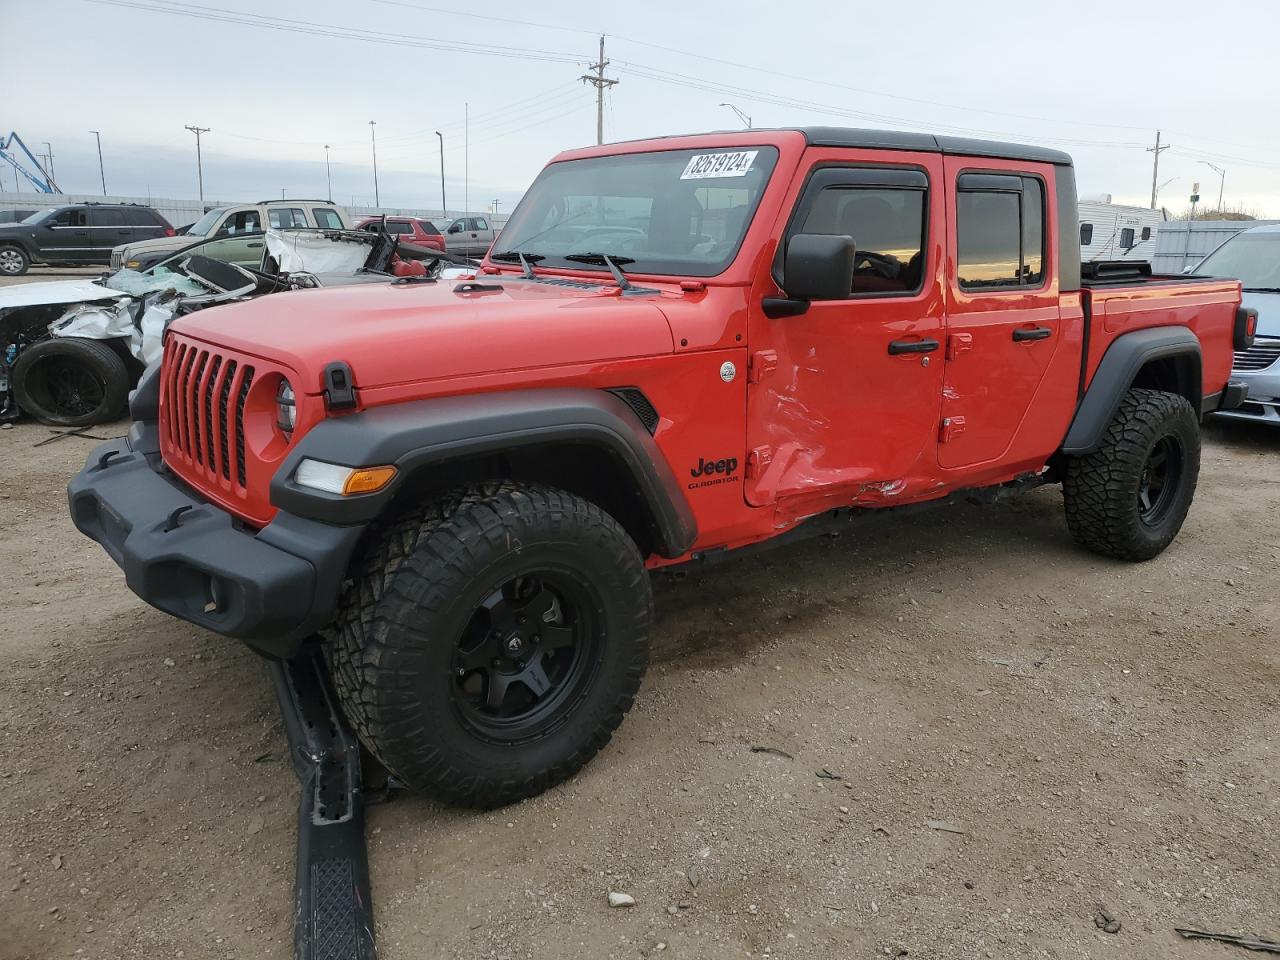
1129, 497
493, 641
71, 382
13, 261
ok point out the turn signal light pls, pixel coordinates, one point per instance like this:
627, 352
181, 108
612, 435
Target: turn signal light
368, 480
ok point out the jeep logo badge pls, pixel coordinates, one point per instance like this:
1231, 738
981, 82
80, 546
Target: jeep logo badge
728, 371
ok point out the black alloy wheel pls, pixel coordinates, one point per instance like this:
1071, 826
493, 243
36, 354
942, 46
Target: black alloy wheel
1158, 483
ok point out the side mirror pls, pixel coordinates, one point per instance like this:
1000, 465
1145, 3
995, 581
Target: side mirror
818, 267
454, 228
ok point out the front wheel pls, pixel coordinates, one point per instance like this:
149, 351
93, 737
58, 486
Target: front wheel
493, 641
13, 261
1129, 497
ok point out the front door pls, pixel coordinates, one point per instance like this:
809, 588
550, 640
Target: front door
64, 237
1003, 322
843, 399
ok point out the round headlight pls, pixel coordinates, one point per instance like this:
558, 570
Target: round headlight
286, 408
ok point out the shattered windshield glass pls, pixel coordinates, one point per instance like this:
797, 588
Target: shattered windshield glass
674, 212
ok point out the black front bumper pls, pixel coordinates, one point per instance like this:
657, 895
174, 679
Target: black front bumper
190, 558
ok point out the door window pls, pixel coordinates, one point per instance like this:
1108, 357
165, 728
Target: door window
887, 225
243, 221
281, 218
479, 223
327, 218
108, 218
999, 231
75, 217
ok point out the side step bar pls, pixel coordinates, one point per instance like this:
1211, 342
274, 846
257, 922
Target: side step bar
333, 913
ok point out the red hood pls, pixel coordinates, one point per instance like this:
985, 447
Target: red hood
408, 332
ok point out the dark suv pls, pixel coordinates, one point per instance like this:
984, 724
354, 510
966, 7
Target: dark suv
76, 233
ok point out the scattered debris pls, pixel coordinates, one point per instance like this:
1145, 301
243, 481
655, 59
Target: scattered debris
945, 826
56, 860
825, 774
1105, 921
617, 899
1249, 943
694, 876
772, 750
63, 434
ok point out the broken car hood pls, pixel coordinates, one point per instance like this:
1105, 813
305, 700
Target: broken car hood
48, 292
407, 332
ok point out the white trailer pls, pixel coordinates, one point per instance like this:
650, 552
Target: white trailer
1112, 231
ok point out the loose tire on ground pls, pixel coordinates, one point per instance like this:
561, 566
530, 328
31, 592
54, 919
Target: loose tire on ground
1128, 498
467, 606
71, 382
13, 260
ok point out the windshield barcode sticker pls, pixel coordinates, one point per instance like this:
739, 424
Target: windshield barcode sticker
704, 165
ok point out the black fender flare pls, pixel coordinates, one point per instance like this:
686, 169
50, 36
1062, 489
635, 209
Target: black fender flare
1116, 373
419, 434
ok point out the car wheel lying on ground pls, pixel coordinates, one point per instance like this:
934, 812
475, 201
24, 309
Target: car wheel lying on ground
455, 490
71, 382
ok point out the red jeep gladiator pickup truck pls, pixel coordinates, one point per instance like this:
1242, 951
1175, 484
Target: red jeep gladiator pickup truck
677, 347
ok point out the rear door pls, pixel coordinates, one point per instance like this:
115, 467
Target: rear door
843, 399
107, 229
1003, 319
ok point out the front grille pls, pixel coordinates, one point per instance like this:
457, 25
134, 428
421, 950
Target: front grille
1264, 352
199, 430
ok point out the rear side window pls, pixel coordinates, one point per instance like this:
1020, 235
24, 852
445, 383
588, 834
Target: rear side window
108, 218
999, 230
327, 218
887, 226
141, 218
399, 227
428, 228
282, 218
479, 224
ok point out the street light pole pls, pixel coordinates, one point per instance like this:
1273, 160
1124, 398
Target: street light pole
100, 170
199, 162
328, 178
1222, 181
741, 116
373, 139
444, 207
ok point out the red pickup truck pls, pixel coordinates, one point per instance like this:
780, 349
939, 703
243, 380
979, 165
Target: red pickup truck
677, 348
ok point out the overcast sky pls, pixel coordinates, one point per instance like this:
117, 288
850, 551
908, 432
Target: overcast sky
1096, 79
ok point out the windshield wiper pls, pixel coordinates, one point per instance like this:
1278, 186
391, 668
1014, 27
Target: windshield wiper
524, 259
609, 260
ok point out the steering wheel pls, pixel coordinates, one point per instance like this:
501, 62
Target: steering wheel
881, 264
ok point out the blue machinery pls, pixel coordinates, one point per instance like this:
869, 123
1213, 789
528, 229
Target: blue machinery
36, 174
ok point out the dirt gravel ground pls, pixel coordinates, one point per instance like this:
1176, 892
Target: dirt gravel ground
1079, 732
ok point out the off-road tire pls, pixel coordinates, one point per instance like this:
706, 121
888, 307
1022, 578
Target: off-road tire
42, 372
1102, 489
409, 601
13, 260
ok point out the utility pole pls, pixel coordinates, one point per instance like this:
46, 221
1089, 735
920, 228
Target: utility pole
199, 162
101, 173
1222, 182
601, 83
48, 154
444, 207
328, 178
495, 215
373, 138
1155, 166
466, 158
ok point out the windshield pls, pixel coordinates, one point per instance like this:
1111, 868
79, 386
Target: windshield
676, 212
203, 226
37, 217
1252, 258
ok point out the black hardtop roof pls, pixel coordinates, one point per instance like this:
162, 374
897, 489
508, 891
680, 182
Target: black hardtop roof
903, 140
930, 143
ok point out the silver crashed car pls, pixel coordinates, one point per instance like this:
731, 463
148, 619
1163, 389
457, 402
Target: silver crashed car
1253, 257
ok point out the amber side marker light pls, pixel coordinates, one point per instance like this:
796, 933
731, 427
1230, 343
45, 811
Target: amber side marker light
344, 481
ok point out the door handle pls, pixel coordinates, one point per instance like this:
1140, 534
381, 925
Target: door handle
897, 347
1034, 333
253, 246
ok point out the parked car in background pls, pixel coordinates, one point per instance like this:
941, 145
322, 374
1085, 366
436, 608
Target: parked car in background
469, 236
412, 230
1253, 258
236, 221
77, 233
15, 216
